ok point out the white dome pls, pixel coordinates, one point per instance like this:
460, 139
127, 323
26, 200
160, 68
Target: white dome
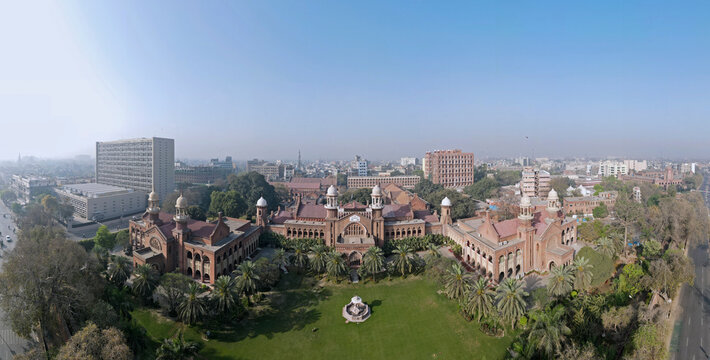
553, 195
181, 202
446, 202
153, 196
376, 190
356, 300
332, 191
525, 201
261, 202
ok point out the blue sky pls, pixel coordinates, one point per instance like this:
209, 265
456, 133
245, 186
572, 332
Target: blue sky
335, 79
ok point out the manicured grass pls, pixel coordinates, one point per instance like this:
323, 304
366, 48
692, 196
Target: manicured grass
602, 268
409, 321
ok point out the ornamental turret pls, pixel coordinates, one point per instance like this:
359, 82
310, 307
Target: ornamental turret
181, 215
261, 206
153, 208
446, 211
331, 202
526, 209
553, 203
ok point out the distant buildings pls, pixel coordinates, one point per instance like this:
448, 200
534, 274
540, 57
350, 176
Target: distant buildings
450, 168
585, 205
635, 165
686, 168
199, 174
612, 168
637, 194
359, 166
660, 178
94, 201
271, 171
535, 183
226, 164
26, 187
405, 181
143, 164
406, 161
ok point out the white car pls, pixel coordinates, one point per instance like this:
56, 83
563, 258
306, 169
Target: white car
7, 237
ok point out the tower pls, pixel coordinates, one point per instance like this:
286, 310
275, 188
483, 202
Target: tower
331, 205
180, 232
181, 215
299, 160
153, 208
526, 232
446, 211
553, 203
378, 222
261, 219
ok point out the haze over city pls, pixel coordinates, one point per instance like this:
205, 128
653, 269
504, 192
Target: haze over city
251, 79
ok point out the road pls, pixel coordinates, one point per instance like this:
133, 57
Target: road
10, 343
691, 338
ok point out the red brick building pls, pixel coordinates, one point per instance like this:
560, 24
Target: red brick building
450, 168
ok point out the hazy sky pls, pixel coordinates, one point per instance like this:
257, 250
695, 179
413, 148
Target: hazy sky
383, 79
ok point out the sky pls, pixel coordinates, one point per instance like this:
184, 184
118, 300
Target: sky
382, 79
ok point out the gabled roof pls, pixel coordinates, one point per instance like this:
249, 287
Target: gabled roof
397, 211
506, 228
311, 211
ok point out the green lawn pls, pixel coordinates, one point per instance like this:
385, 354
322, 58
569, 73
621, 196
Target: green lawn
602, 268
409, 321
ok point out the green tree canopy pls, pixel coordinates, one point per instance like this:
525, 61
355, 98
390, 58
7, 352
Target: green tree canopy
93, 343
230, 203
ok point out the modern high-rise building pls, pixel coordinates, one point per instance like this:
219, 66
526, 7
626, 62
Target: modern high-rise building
535, 183
143, 164
612, 168
450, 168
359, 166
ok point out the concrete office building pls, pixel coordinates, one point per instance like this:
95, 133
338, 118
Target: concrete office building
450, 168
26, 187
405, 181
94, 201
612, 168
535, 183
406, 161
143, 164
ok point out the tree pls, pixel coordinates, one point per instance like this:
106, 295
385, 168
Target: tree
319, 259
483, 189
252, 186
224, 295
360, 195
403, 259
660, 276
93, 343
104, 238
479, 300
8, 197
582, 273
457, 282
373, 262
280, 258
47, 282
560, 282
432, 251
628, 283
548, 331
145, 281
561, 184
600, 211
177, 349
192, 308
300, 256
336, 265
652, 249
607, 246
196, 213
119, 270
649, 342
511, 300
122, 239
229, 203
246, 278
50, 204
628, 212
171, 291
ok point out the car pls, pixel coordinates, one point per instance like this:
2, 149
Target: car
8, 238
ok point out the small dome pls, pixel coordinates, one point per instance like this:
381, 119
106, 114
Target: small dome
376, 190
181, 202
356, 300
261, 202
553, 195
153, 196
332, 191
525, 201
446, 202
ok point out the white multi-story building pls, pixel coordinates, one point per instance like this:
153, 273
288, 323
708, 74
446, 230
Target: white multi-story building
535, 183
143, 165
98, 201
612, 168
636, 165
26, 187
359, 166
406, 161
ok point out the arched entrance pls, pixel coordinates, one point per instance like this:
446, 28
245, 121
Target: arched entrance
552, 265
355, 259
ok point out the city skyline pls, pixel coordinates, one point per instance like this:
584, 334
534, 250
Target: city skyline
384, 80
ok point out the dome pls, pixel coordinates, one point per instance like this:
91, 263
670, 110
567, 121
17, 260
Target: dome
181, 202
553, 195
261, 202
525, 201
153, 196
376, 190
356, 300
332, 191
446, 202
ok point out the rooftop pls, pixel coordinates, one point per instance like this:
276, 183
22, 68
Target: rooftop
94, 190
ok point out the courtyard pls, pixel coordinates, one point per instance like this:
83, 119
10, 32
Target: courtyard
410, 320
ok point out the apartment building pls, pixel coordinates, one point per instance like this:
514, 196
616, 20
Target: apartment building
535, 183
450, 168
613, 168
405, 181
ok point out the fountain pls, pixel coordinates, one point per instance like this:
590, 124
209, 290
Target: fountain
356, 310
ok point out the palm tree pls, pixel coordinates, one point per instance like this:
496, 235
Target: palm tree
511, 300
432, 250
300, 256
225, 294
403, 259
119, 270
457, 282
549, 330
146, 280
320, 258
479, 300
192, 307
560, 283
374, 261
336, 264
582, 273
246, 278
607, 246
177, 349
280, 258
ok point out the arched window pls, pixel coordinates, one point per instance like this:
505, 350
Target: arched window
354, 229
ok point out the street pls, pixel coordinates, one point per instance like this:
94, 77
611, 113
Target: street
692, 339
10, 343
